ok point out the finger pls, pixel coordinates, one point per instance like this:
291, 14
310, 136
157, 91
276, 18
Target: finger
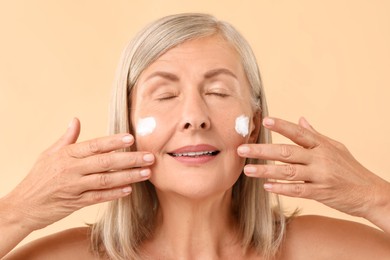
99, 196
109, 180
69, 137
287, 172
298, 190
100, 145
112, 161
276, 152
304, 123
296, 133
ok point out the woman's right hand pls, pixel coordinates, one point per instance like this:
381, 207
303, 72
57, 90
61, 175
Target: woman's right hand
69, 176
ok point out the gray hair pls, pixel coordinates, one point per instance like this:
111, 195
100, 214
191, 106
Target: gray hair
129, 221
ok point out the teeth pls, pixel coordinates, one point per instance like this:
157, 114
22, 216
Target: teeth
194, 154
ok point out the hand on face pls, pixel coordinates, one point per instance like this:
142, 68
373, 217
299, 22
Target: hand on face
316, 168
69, 176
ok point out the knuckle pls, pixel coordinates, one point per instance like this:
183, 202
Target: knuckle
300, 132
64, 182
97, 197
340, 146
290, 172
133, 160
130, 177
258, 151
68, 189
264, 170
94, 147
298, 190
68, 151
73, 200
285, 151
104, 180
104, 161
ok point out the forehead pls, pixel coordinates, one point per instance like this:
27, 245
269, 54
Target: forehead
195, 60
211, 51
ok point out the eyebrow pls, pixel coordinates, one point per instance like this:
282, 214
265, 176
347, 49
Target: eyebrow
216, 72
163, 74
208, 75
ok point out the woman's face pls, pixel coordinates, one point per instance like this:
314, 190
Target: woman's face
194, 92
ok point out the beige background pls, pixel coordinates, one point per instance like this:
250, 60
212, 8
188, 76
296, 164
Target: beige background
327, 60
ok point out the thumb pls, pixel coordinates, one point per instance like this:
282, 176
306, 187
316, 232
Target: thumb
69, 137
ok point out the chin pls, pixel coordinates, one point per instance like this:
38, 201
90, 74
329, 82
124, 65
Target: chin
197, 188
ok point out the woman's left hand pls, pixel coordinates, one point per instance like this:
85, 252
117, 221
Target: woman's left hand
317, 168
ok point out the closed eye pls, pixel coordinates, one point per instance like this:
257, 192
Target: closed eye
217, 94
166, 95
166, 98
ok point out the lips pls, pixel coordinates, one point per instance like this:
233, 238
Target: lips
194, 154
194, 151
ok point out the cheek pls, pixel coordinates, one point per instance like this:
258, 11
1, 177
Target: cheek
233, 127
234, 118
242, 125
152, 132
145, 126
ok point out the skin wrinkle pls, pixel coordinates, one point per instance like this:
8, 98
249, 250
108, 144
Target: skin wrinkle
285, 151
291, 172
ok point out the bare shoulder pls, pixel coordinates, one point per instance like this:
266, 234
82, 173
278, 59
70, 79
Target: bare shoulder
317, 237
69, 244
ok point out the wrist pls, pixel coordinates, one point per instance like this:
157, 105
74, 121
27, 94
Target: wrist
12, 226
12, 217
380, 210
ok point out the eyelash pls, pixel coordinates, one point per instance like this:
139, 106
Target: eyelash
217, 94
222, 95
166, 98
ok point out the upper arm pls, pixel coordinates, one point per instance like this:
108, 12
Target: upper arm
69, 244
315, 237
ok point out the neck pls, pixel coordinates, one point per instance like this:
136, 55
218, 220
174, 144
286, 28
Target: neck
195, 228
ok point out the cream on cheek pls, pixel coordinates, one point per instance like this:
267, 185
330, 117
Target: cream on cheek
146, 126
242, 125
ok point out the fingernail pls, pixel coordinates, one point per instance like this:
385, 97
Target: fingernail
243, 149
126, 189
268, 121
71, 123
305, 122
148, 157
268, 186
250, 169
127, 139
144, 172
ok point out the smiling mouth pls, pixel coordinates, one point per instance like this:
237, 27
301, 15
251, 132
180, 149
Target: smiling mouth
195, 154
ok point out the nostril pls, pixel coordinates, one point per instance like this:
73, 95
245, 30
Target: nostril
189, 125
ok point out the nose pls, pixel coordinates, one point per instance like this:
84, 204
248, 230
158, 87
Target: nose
194, 114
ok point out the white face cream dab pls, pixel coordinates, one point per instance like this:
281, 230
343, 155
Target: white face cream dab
146, 126
242, 125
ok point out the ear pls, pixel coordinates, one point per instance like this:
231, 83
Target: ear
255, 127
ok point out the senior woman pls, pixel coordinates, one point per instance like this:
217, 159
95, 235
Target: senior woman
190, 129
